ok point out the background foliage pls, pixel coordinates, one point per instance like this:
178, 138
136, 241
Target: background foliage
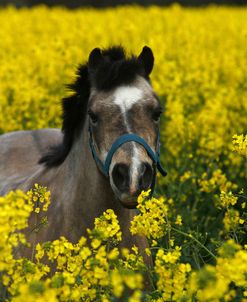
200, 75
107, 3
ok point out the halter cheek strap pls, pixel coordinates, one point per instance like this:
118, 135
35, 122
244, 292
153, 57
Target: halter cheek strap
104, 166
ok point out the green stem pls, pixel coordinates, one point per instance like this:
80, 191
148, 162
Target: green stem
239, 195
34, 243
197, 241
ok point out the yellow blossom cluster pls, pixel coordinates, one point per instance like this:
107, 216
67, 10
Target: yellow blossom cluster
61, 270
217, 181
97, 271
41, 198
151, 221
14, 213
173, 276
106, 227
234, 216
16, 208
228, 199
220, 282
240, 144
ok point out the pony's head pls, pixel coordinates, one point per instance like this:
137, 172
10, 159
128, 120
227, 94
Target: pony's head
114, 97
121, 102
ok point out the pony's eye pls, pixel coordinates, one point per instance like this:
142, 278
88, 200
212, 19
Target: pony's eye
156, 115
93, 117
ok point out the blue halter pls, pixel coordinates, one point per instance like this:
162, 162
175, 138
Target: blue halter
104, 166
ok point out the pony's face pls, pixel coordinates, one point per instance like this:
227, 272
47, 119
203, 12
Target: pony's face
132, 108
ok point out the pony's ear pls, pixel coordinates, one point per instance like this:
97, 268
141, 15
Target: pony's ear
146, 57
95, 58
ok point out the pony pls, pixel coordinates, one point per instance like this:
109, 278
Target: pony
106, 153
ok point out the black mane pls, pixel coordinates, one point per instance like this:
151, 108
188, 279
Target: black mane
113, 70
116, 69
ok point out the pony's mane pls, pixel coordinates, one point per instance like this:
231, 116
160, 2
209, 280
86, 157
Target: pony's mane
115, 69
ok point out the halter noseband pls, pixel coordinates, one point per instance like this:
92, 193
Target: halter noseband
104, 166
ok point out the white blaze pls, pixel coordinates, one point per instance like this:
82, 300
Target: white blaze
125, 97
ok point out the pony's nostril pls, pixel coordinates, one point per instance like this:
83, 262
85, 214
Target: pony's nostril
146, 176
120, 176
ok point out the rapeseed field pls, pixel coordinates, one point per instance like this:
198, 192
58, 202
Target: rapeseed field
196, 223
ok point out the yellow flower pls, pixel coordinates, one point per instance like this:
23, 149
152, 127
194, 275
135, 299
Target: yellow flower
240, 144
95, 243
151, 220
136, 296
178, 220
114, 253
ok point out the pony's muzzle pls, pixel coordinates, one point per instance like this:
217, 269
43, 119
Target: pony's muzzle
129, 183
